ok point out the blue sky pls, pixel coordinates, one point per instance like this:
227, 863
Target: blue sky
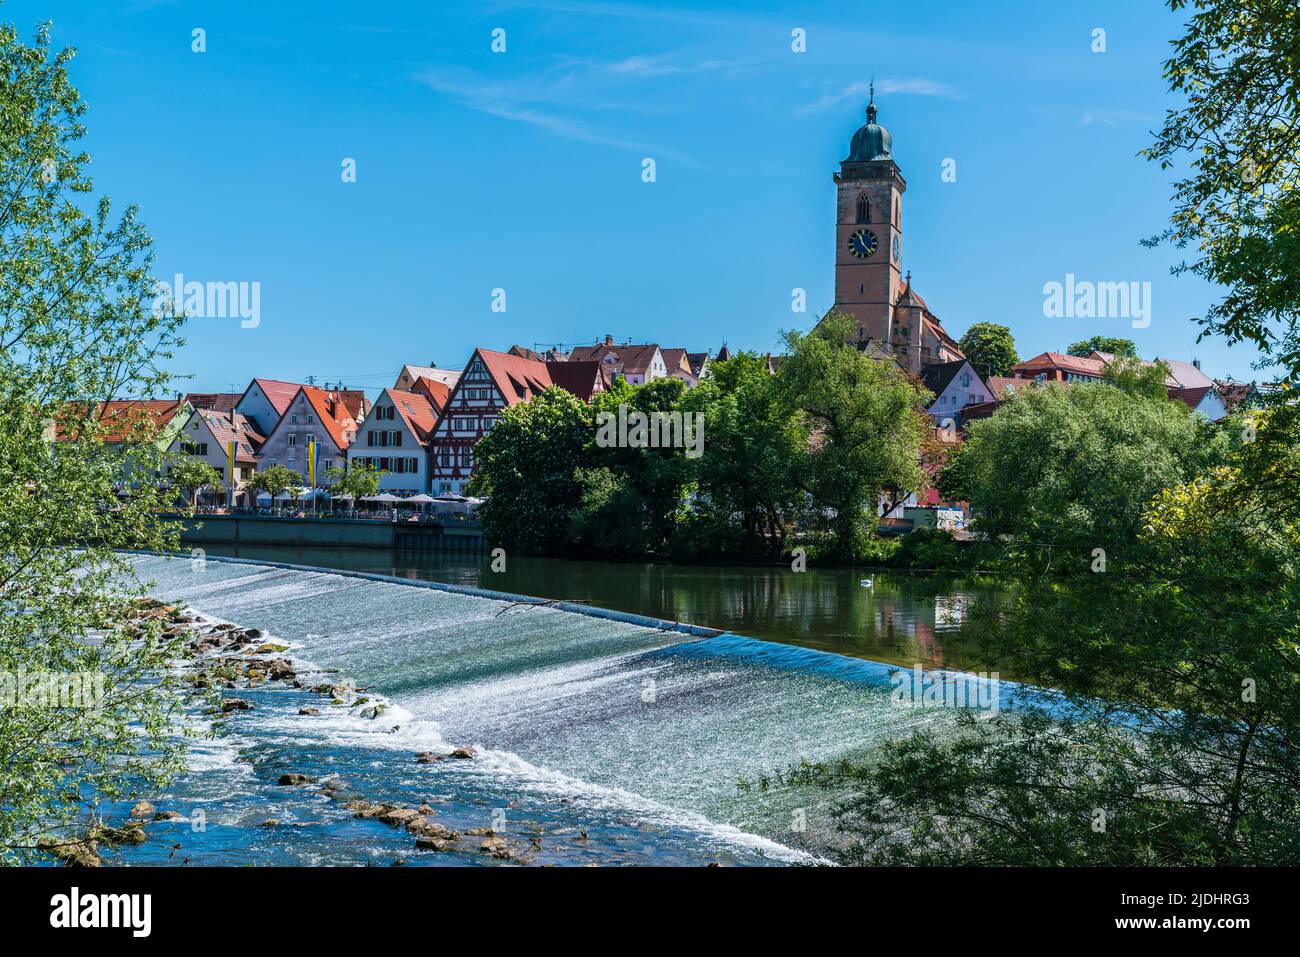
522, 170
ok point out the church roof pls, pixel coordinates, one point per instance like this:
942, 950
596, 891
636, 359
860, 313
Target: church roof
872, 141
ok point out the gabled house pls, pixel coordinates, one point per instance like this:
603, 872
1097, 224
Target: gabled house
207, 435
699, 363
584, 378
679, 366
120, 420
1058, 367
395, 438
491, 383
435, 392
406, 379
123, 421
955, 385
330, 417
636, 364
264, 401
1205, 400
550, 355
214, 401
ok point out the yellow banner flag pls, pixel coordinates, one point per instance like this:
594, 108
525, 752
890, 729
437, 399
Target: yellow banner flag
311, 463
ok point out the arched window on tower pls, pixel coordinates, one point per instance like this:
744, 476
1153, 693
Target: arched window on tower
864, 208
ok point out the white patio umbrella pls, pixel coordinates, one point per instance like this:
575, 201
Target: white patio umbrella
420, 499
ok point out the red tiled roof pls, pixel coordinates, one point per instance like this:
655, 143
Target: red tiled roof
636, 359
676, 361
119, 418
516, 378
1057, 360
416, 411
579, 377
981, 410
631, 359
335, 412
227, 427
1233, 393
437, 393
278, 393
998, 384
1190, 397
216, 401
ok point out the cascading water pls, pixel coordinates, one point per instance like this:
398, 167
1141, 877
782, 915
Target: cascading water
597, 740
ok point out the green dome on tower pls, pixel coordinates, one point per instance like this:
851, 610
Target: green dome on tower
871, 142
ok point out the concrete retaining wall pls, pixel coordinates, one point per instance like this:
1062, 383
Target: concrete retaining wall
322, 532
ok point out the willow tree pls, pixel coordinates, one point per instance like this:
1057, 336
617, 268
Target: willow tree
76, 329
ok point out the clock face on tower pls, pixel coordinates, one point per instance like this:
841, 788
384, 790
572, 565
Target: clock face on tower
862, 243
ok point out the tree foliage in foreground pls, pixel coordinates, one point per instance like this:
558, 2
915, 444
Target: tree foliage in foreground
1236, 138
1180, 668
76, 329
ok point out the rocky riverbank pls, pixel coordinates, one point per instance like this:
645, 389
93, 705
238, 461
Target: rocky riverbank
224, 661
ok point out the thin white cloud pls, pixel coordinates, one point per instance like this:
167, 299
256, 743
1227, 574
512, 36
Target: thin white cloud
547, 106
859, 90
1115, 117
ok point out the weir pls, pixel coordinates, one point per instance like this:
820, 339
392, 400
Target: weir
628, 718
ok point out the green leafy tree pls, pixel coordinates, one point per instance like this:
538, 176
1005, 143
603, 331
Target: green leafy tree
1113, 345
1137, 378
77, 328
1072, 466
1235, 138
1175, 739
359, 479
652, 484
275, 479
866, 424
190, 475
750, 478
990, 348
527, 466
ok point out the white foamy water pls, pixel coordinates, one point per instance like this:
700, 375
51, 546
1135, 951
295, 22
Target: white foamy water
595, 715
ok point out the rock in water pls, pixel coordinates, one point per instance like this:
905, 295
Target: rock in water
83, 853
290, 780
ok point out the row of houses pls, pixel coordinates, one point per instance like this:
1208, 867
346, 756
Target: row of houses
962, 395
421, 432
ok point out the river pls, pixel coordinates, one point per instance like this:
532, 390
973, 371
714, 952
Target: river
903, 618
596, 741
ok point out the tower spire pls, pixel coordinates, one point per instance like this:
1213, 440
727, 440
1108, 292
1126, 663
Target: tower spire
871, 103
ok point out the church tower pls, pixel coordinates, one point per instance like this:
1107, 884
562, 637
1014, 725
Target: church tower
868, 236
